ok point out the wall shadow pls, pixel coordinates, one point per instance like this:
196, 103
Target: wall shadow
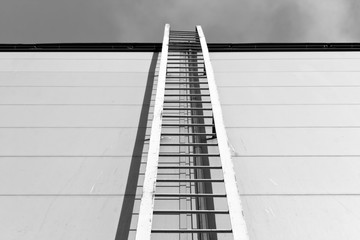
126, 214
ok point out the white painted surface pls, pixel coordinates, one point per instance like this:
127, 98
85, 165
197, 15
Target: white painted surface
283, 55
285, 116
284, 197
72, 95
77, 55
75, 116
293, 122
238, 224
74, 65
298, 175
67, 132
303, 217
290, 95
75, 79
144, 226
284, 65
59, 217
287, 79
295, 141
63, 175
67, 142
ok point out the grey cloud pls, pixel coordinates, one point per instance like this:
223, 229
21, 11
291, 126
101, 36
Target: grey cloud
143, 20
352, 21
55, 21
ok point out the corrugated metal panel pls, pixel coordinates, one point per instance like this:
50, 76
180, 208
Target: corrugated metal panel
293, 122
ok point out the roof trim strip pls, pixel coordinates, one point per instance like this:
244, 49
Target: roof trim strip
156, 47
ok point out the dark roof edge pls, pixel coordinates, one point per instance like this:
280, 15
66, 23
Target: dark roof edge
156, 47
282, 47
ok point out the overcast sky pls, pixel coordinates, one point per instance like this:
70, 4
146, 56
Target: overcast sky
29, 21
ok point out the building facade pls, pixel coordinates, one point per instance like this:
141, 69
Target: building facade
75, 130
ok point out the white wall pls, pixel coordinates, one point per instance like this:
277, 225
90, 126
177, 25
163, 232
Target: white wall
67, 132
293, 120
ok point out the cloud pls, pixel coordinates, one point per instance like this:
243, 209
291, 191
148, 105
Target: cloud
29, 21
350, 27
243, 20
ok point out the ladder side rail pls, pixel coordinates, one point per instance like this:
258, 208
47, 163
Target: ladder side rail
233, 196
144, 224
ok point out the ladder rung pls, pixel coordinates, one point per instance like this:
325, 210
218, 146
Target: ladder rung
185, 48
185, 44
174, 109
189, 71
185, 59
187, 95
191, 211
185, 55
190, 180
186, 125
184, 39
182, 48
201, 76
179, 36
199, 64
186, 116
172, 36
189, 61
185, 51
194, 50
180, 33
188, 134
176, 36
190, 40
196, 46
189, 167
186, 83
196, 65
189, 155
197, 195
174, 43
192, 62
183, 33
184, 67
192, 88
187, 41
189, 144
191, 231
191, 37
186, 72
168, 101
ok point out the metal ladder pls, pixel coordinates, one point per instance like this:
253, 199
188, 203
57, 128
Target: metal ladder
188, 149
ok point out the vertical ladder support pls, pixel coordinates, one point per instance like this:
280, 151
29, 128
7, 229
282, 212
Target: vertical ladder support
233, 197
147, 200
